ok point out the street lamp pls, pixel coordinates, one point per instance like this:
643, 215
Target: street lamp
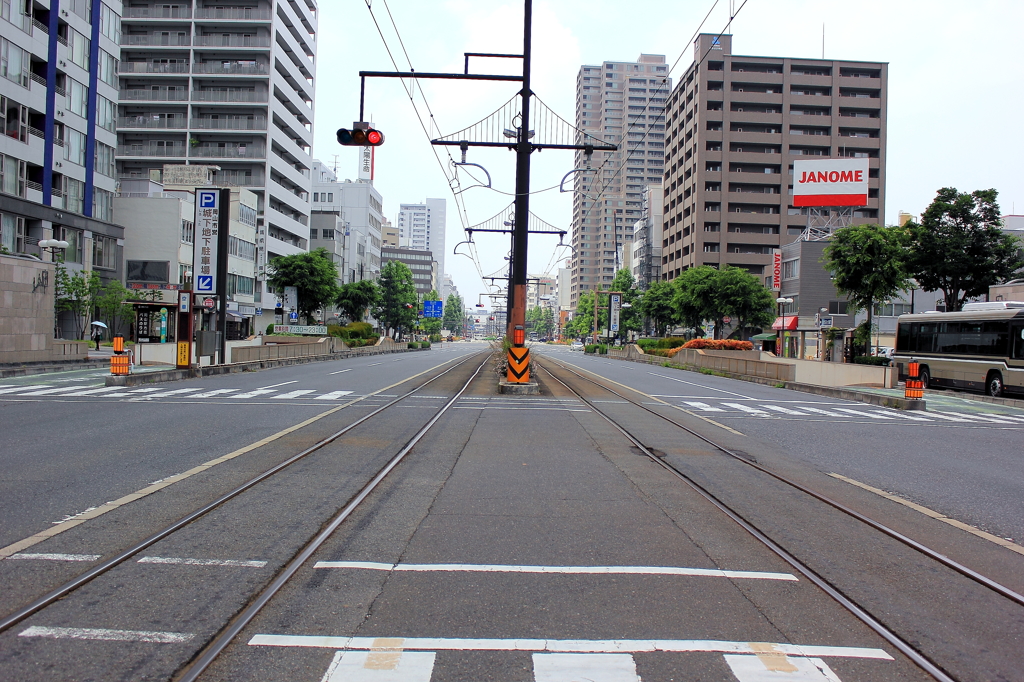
53, 245
782, 332
821, 314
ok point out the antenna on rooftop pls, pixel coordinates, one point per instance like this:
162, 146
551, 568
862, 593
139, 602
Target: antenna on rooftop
335, 169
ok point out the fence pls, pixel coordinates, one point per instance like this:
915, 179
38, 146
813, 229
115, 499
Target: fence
732, 362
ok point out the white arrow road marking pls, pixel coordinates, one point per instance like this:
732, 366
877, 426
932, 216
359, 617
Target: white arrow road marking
701, 406
216, 392
333, 395
109, 635
255, 394
745, 408
292, 394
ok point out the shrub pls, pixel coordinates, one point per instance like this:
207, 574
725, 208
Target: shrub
871, 360
270, 328
590, 348
647, 344
424, 344
663, 352
413, 344
359, 330
602, 349
435, 338
719, 344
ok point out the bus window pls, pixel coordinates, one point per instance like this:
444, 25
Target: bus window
1018, 343
995, 337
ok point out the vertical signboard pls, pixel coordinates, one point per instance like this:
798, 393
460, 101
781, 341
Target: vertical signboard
614, 305
205, 246
776, 269
291, 298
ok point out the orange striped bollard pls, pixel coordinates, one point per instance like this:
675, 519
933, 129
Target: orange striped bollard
914, 387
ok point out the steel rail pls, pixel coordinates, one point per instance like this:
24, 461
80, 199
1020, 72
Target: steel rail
999, 588
228, 634
67, 588
861, 614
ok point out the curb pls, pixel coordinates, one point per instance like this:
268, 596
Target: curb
8, 372
1009, 402
162, 376
827, 391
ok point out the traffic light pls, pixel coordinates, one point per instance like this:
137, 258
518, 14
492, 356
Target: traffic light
360, 137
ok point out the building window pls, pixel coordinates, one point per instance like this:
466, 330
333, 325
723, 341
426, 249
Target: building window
837, 307
14, 62
241, 249
102, 204
74, 147
238, 284
247, 215
72, 254
188, 232
12, 176
791, 269
110, 24
105, 160
12, 233
104, 252
106, 113
74, 195
78, 98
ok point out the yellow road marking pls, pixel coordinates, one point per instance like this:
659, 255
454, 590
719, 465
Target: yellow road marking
62, 526
1002, 542
676, 407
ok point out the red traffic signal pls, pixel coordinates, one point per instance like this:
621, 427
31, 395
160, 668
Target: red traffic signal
479, 305
360, 137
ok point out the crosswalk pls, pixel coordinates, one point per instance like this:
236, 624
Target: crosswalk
150, 393
837, 411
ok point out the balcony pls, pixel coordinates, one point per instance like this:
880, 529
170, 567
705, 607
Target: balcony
159, 151
156, 40
235, 69
232, 123
161, 123
238, 179
243, 96
229, 151
157, 13
234, 13
232, 41
149, 67
151, 95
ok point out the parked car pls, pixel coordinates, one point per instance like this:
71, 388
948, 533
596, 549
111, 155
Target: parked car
576, 345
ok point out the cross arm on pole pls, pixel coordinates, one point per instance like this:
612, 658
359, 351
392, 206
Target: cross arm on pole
363, 75
489, 54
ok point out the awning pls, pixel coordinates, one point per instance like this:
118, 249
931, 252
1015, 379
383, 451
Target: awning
764, 337
235, 316
792, 322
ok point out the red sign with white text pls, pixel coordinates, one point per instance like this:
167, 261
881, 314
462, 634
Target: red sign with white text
776, 269
832, 182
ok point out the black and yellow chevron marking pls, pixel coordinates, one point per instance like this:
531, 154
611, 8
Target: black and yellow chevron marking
518, 365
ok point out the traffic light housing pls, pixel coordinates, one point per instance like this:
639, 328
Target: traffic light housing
360, 136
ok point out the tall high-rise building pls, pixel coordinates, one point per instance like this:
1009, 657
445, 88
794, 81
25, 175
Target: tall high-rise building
735, 126
58, 102
422, 226
621, 103
227, 85
647, 238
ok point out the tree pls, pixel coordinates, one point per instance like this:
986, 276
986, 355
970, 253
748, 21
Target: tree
958, 248
743, 296
694, 300
432, 325
111, 305
868, 264
76, 294
454, 316
582, 322
313, 274
656, 304
396, 307
355, 298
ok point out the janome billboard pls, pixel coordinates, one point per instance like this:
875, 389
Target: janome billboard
831, 182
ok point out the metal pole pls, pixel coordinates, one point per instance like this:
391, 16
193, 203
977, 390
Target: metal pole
223, 225
517, 292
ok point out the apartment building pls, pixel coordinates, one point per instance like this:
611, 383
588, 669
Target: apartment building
422, 226
422, 263
735, 126
621, 103
647, 236
360, 209
225, 85
58, 94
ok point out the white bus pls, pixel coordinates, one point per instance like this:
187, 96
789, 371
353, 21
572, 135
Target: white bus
979, 348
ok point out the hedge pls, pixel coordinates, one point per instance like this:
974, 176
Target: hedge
871, 360
719, 344
424, 344
668, 342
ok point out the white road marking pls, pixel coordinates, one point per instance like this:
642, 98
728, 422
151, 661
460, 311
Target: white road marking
948, 417
177, 391
860, 413
589, 667
215, 392
93, 391
374, 364
145, 390
616, 402
775, 667
292, 394
1003, 416
825, 412
57, 557
515, 407
15, 389
745, 408
704, 407
906, 415
593, 570
342, 370
283, 383
610, 646
784, 410
707, 388
333, 395
254, 394
997, 420
50, 391
381, 665
234, 563
109, 635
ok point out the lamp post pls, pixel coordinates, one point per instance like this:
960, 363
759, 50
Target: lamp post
782, 332
821, 313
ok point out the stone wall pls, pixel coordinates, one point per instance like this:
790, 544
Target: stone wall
26, 310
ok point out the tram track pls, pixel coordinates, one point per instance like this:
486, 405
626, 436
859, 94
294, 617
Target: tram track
322, 531
926, 660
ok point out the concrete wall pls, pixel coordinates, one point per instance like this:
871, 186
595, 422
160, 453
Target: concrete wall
840, 374
26, 310
745, 363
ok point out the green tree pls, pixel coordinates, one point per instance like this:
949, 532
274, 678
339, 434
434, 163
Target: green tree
743, 296
355, 298
454, 319
958, 248
432, 325
656, 305
313, 274
695, 297
868, 264
76, 293
112, 307
582, 322
396, 307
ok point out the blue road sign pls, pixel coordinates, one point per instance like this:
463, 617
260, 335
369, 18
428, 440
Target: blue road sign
293, 317
433, 309
204, 284
207, 199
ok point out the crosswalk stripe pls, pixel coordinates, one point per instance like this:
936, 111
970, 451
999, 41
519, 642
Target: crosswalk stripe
145, 390
387, 663
907, 415
825, 412
704, 407
784, 410
94, 391
767, 666
177, 391
333, 395
1004, 416
745, 408
860, 413
591, 667
255, 394
998, 419
16, 389
292, 394
215, 392
51, 391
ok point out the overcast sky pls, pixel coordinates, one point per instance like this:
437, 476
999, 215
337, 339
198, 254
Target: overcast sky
955, 95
